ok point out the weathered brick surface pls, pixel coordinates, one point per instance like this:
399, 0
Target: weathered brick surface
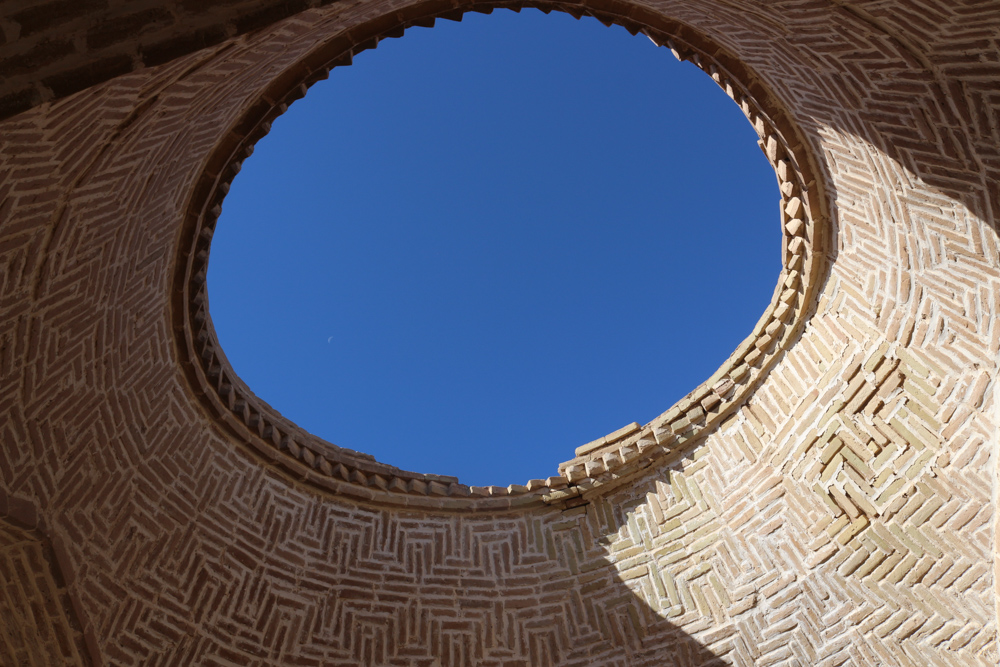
38, 625
101, 39
837, 510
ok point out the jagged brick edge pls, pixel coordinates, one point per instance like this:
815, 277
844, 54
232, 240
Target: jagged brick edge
353, 474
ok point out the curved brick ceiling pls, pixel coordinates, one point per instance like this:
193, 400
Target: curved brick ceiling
838, 509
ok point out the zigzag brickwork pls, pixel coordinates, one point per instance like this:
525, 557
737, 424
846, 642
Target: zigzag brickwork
38, 623
827, 498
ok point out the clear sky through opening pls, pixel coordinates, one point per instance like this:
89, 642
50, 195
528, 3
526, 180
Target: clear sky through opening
487, 243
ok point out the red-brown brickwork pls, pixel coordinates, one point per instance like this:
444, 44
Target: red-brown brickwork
827, 498
37, 620
52, 48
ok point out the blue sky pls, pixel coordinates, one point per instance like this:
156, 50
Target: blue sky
487, 243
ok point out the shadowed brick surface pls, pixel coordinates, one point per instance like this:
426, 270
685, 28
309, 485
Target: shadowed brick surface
836, 509
74, 44
37, 624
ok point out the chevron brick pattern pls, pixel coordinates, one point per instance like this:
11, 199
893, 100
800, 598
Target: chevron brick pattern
841, 511
610, 459
37, 627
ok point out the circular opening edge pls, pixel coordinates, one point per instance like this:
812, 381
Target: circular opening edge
597, 467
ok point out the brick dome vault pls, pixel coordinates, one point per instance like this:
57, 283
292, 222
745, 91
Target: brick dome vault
826, 498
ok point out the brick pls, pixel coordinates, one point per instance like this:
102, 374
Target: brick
83, 77
126, 27
191, 536
40, 17
16, 102
263, 17
43, 54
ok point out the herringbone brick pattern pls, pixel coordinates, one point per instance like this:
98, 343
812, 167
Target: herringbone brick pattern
614, 456
35, 628
839, 511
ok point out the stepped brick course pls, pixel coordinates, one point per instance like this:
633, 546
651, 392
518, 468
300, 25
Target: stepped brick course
828, 497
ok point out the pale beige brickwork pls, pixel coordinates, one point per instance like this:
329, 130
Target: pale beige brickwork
826, 498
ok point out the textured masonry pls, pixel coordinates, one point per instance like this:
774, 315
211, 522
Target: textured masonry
826, 498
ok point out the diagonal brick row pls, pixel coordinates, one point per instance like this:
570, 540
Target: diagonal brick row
839, 511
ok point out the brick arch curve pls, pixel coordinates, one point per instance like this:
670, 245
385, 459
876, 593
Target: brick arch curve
843, 513
613, 459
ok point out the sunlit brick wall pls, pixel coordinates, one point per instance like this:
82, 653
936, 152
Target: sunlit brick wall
842, 514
